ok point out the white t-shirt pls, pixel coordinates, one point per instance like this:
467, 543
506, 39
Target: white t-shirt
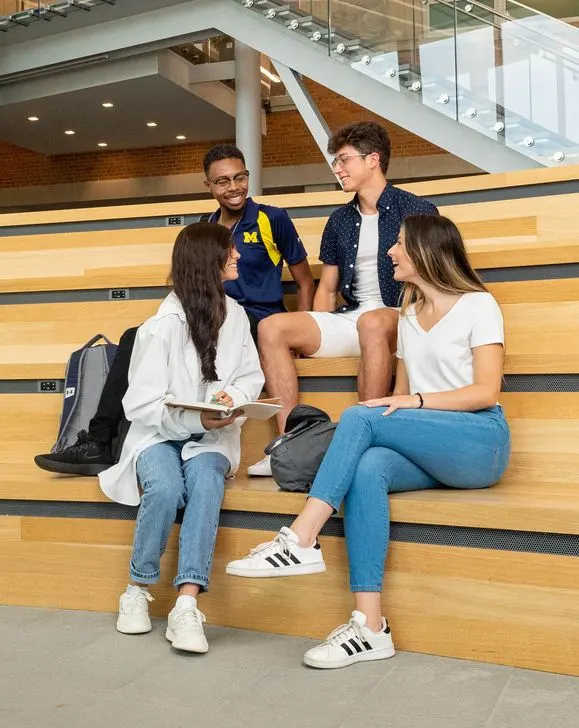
440, 360
366, 286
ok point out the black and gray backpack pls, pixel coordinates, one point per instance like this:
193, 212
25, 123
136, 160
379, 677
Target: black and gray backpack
86, 373
297, 454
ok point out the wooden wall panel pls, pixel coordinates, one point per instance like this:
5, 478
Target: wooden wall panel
10, 528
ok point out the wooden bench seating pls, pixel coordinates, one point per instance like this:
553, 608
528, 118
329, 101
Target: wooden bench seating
490, 575
513, 181
542, 323
498, 234
542, 480
496, 604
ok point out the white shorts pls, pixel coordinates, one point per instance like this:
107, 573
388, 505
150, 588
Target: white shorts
339, 335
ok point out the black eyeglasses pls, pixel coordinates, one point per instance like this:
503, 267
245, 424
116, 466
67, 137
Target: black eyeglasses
223, 182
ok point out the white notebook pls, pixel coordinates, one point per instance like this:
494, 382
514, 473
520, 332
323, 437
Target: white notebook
263, 409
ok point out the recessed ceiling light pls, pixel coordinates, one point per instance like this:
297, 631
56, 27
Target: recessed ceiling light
151, 123
181, 137
70, 132
33, 118
108, 105
102, 144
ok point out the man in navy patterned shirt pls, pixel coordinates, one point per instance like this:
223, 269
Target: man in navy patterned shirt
354, 249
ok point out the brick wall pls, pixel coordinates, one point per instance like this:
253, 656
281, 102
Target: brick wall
288, 142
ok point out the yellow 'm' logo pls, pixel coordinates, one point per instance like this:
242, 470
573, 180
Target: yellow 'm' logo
250, 237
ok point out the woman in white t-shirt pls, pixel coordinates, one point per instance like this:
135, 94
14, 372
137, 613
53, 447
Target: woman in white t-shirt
441, 427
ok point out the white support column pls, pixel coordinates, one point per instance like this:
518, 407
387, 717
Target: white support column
248, 112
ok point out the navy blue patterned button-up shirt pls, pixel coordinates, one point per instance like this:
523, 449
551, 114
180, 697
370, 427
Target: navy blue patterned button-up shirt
342, 235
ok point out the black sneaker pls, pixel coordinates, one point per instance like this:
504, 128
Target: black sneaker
85, 457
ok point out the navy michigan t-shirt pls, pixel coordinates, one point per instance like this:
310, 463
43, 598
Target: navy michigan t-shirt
265, 237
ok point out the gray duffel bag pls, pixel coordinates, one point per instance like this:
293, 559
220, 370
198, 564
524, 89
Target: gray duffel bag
297, 454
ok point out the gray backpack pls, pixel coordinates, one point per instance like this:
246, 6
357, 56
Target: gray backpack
86, 373
297, 454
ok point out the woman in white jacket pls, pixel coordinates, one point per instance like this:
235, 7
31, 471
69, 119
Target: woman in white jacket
198, 347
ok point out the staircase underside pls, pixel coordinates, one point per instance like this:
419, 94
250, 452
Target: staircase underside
182, 22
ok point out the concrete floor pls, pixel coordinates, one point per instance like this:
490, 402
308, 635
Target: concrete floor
62, 669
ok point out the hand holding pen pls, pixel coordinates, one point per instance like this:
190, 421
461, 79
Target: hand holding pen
222, 398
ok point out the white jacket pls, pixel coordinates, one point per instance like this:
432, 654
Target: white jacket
165, 366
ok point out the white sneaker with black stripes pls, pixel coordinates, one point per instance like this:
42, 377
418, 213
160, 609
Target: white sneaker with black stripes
350, 643
281, 557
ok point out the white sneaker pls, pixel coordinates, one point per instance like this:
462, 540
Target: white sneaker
281, 557
134, 611
262, 468
185, 630
352, 642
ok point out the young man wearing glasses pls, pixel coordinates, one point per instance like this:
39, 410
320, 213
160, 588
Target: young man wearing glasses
354, 244
265, 237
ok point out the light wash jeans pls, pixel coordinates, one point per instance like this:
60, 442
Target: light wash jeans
170, 483
371, 456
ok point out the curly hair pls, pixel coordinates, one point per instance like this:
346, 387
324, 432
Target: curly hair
199, 257
220, 152
365, 136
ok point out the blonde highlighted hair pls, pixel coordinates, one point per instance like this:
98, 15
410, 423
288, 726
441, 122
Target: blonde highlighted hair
436, 249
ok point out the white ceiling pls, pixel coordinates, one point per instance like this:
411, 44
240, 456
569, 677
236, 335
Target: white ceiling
137, 101
154, 87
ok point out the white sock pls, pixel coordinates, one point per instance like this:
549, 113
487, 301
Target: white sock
298, 543
134, 588
382, 627
185, 601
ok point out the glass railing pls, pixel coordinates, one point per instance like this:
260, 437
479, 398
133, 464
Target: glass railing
502, 68
567, 10
513, 79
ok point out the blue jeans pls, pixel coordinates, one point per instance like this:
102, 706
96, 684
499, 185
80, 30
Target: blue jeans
371, 456
169, 483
